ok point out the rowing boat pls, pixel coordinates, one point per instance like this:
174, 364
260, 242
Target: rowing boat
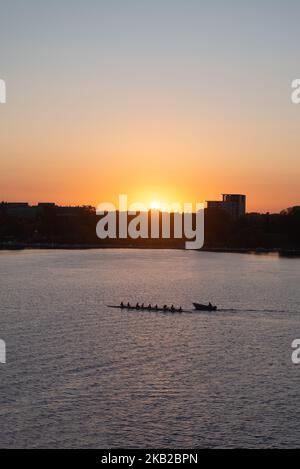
200, 307
197, 307
145, 308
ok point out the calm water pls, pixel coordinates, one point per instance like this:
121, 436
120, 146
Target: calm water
80, 374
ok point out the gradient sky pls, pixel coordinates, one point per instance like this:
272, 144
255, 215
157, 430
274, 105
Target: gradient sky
159, 99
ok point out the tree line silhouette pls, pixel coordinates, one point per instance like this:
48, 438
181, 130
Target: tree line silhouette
77, 225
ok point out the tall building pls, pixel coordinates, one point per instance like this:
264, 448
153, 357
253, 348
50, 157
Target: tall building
234, 204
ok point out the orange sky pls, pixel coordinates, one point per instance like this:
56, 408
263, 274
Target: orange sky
169, 159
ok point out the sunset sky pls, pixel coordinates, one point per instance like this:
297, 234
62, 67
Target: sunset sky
158, 99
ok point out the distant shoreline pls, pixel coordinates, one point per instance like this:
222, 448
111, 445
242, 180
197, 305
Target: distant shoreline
284, 252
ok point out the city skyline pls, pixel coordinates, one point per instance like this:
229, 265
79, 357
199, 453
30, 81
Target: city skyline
155, 204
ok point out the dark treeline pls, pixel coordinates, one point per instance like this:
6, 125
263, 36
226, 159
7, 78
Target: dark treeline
253, 231
77, 225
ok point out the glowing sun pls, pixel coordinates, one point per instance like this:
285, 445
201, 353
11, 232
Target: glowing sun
154, 205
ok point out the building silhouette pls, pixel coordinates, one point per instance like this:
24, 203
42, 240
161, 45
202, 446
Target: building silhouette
234, 204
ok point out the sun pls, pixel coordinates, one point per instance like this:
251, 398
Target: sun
154, 205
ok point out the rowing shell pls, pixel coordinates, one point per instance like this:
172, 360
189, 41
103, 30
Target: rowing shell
134, 308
